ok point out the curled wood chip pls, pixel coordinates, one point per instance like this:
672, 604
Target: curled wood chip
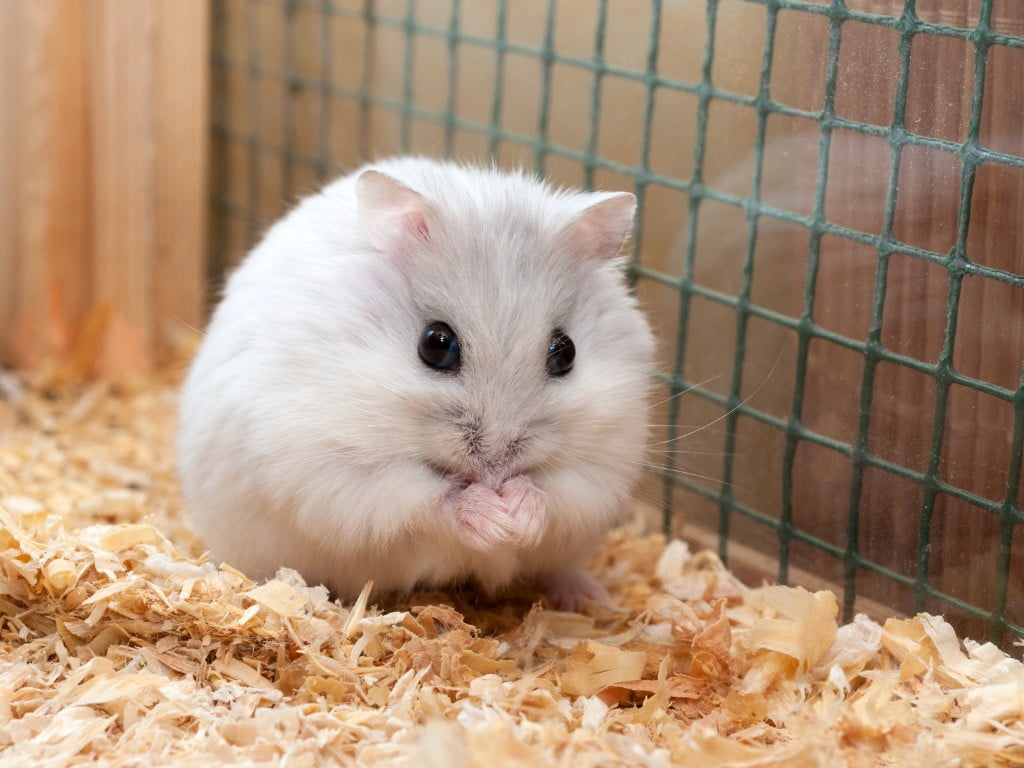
236, 669
593, 665
103, 690
635, 691
801, 626
60, 573
358, 610
856, 644
281, 598
125, 536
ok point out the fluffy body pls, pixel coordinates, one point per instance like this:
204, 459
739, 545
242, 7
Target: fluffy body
312, 436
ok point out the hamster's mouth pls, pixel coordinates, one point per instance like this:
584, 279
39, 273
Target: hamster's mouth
460, 479
452, 475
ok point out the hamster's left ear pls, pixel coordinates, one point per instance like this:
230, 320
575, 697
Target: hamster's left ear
599, 230
390, 214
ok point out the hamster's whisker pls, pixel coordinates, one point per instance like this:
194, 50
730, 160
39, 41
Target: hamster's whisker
708, 380
660, 469
736, 407
182, 321
686, 473
688, 389
687, 452
695, 428
681, 426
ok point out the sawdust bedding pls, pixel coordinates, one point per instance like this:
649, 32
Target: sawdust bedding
120, 645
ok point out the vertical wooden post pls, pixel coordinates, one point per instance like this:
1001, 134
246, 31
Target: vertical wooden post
103, 142
182, 83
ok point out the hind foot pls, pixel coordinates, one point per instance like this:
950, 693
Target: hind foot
573, 589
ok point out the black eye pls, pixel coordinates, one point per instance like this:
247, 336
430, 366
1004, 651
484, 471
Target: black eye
561, 353
439, 347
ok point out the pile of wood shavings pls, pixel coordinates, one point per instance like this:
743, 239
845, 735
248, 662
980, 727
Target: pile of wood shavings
119, 644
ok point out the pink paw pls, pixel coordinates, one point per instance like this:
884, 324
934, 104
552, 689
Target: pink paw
528, 509
571, 590
482, 520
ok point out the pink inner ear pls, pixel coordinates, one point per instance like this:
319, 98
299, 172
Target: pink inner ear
390, 214
600, 230
415, 223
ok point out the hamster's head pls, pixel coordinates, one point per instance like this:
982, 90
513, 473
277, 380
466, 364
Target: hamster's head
505, 341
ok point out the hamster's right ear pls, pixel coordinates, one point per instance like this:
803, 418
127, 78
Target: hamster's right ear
600, 229
390, 214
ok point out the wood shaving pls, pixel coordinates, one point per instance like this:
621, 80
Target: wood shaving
120, 644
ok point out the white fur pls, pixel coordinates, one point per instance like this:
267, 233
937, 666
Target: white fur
311, 432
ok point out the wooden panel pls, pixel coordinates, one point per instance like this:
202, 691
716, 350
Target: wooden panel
103, 151
123, 127
42, 209
182, 95
11, 76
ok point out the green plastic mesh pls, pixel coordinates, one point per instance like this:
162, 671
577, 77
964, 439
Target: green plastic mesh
279, 122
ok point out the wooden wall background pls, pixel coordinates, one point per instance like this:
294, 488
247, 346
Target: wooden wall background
103, 156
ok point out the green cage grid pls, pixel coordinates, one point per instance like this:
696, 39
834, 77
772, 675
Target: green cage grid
971, 153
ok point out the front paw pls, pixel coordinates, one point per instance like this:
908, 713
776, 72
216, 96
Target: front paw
528, 509
482, 519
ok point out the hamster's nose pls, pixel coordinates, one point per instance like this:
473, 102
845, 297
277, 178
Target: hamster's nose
474, 438
492, 453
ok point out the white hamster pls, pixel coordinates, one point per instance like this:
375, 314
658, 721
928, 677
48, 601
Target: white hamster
424, 373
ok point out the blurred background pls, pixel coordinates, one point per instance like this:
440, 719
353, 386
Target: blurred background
828, 241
